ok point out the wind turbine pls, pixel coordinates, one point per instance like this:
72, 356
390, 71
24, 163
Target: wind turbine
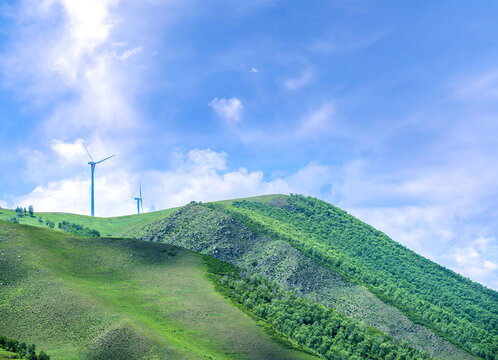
92, 165
139, 200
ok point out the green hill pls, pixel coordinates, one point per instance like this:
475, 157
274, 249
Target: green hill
108, 227
121, 299
306, 265
462, 311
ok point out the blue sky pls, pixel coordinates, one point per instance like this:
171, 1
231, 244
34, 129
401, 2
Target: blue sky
387, 109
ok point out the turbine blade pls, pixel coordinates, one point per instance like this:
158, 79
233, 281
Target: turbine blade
98, 162
88, 152
140, 189
142, 205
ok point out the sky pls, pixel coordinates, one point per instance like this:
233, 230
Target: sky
387, 109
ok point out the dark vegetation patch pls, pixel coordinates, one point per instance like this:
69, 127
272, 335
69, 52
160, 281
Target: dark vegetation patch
21, 350
77, 229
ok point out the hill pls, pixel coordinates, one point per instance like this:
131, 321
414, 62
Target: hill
321, 252
121, 299
462, 311
118, 226
302, 256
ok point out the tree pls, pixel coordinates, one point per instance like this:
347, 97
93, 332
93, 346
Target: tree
40, 220
31, 211
31, 352
19, 211
43, 356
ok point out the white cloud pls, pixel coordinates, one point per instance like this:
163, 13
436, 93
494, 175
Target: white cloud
68, 152
130, 52
254, 70
436, 212
199, 175
112, 189
467, 256
66, 60
489, 265
229, 110
482, 243
298, 82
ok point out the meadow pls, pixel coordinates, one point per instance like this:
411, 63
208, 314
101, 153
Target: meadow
120, 299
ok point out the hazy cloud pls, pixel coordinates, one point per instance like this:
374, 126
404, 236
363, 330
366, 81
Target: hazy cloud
230, 110
481, 87
317, 122
298, 82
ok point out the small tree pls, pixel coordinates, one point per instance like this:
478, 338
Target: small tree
40, 220
23, 348
31, 354
31, 211
19, 211
43, 356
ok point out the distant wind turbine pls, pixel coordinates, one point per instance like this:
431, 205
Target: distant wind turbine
139, 200
92, 165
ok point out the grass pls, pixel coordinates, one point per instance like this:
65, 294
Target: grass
120, 299
4, 354
119, 226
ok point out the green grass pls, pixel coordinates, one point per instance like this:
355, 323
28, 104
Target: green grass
120, 226
120, 299
4, 354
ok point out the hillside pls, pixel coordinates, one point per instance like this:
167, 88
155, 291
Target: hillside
305, 264
118, 226
120, 299
320, 251
216, 233
462, 311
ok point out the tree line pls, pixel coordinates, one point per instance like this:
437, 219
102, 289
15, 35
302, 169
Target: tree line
23, 350
313, 326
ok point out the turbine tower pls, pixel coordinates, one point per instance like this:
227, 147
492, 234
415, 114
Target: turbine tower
92, 165
139, 200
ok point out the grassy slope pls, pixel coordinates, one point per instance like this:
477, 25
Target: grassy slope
78, 297
215, 233
118, 226
351, 299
